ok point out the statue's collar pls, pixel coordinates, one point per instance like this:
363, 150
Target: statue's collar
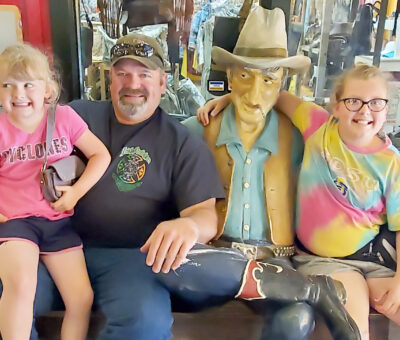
267, 140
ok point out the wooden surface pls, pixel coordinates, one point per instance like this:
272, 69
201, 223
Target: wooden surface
233, 321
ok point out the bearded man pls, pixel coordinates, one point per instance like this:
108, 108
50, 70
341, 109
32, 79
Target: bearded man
150, 207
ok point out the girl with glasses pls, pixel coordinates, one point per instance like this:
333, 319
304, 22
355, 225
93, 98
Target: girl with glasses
348, 191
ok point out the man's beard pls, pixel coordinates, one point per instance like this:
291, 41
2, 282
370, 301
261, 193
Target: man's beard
132, 109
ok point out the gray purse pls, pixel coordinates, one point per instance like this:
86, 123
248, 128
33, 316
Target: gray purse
65, 171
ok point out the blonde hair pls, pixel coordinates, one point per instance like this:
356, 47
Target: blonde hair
359, 71
23, 61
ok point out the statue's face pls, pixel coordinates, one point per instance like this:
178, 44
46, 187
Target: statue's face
254, 92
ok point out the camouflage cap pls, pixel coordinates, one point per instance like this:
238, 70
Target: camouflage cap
142, 48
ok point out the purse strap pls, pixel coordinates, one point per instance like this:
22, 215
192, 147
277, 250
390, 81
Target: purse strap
51, 120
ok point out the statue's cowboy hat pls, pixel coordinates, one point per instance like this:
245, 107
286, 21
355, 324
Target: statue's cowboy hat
262, 43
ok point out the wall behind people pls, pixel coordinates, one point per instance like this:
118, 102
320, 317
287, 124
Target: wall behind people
51, 26
65, 46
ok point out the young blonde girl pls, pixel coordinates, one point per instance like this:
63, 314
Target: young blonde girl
30, 227
349, 188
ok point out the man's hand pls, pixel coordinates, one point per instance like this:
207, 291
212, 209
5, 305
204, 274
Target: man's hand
3, 218
169, 244
68, 199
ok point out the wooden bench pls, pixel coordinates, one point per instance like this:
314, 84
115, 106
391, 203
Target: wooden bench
233, 321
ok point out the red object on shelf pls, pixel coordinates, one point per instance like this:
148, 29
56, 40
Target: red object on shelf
36, 27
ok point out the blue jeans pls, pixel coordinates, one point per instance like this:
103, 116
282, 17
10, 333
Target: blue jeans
136, 302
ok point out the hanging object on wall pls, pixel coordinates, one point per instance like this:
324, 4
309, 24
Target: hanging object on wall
110, 16
244, 12
10, 24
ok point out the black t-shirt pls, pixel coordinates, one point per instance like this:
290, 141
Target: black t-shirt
158, 168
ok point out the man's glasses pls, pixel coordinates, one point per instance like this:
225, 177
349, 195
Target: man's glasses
355, 104
139, 49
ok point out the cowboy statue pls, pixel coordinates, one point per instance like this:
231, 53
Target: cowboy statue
257, 152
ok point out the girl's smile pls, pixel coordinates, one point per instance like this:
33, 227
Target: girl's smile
359, 128
24, 101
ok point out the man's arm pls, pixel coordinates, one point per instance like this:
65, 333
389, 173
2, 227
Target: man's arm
204, 215
170, 242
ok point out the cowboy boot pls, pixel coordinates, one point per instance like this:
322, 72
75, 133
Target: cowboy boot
293, 321
282, 284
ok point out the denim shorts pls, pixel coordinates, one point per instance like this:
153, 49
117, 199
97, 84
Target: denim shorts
309, 264
49, 236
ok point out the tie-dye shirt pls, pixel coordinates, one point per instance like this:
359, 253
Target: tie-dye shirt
344, 194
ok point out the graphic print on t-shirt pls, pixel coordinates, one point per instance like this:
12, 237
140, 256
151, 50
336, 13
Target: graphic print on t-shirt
131, 168
340, 184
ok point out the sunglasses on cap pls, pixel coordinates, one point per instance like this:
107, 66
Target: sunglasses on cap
140, 49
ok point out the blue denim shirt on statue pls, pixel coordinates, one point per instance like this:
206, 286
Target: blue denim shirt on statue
246, 217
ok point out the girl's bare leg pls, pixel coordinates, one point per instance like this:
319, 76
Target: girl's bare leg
18, 273
69, 273
357, 299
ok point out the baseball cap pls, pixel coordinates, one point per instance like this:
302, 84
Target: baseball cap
142, 48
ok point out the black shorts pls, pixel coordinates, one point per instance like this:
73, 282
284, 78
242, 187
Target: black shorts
49, 236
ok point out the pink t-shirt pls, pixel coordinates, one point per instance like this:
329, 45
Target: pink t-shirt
21, 157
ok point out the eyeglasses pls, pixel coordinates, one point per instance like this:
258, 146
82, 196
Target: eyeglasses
355, 104
140, 49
